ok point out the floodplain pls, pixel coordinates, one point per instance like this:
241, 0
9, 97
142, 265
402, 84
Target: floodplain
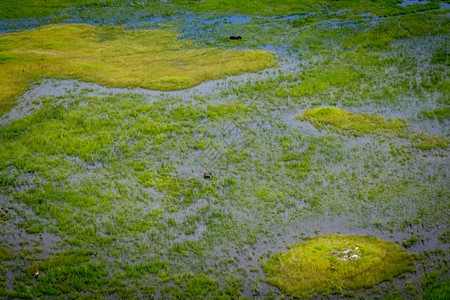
325, 128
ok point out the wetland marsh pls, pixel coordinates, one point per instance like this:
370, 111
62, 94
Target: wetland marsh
326, 130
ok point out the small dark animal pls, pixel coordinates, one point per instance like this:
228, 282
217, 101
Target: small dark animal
331, 266
207, 174
235, 37
36, 274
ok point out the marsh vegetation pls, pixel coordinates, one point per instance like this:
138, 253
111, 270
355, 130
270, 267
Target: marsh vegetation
336, 119
115, 57
333, 263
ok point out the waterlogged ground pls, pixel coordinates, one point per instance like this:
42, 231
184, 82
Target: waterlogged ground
102, 188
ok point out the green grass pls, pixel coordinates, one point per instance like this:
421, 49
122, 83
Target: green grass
68, 272
101, 173
264, 7
358, 124
107, 190
391, 29
438, 291
434, 286
440, 114
426, 141
39, 8
370, 65
342, 121
5, 254
304, 270
112, 56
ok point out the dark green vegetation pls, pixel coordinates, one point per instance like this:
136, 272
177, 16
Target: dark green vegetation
332, 263
102, 189
441, 114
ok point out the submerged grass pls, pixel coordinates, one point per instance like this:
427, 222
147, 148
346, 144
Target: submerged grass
112, 56
121, 178
316, 266
117, 178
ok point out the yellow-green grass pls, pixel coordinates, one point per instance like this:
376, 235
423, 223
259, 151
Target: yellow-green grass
350, 123
426, 141
115, 57
305, 269
358, 124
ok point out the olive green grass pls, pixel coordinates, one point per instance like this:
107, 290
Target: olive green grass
324, 264
357, 124
114, 57
350, 123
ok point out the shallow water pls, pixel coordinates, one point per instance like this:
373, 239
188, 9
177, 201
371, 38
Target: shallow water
413, 2
259, 135
229, 20
295, 16
280, 235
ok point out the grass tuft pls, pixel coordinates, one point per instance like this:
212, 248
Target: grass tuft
345, 122
305, 270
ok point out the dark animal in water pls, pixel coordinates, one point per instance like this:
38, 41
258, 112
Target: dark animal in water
235, 37
207, 174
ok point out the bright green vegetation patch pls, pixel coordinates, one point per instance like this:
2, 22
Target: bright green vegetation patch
438, 291
70, 271
332, 263
436, 285
112, 56
350, 123
355, 124
192, 287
